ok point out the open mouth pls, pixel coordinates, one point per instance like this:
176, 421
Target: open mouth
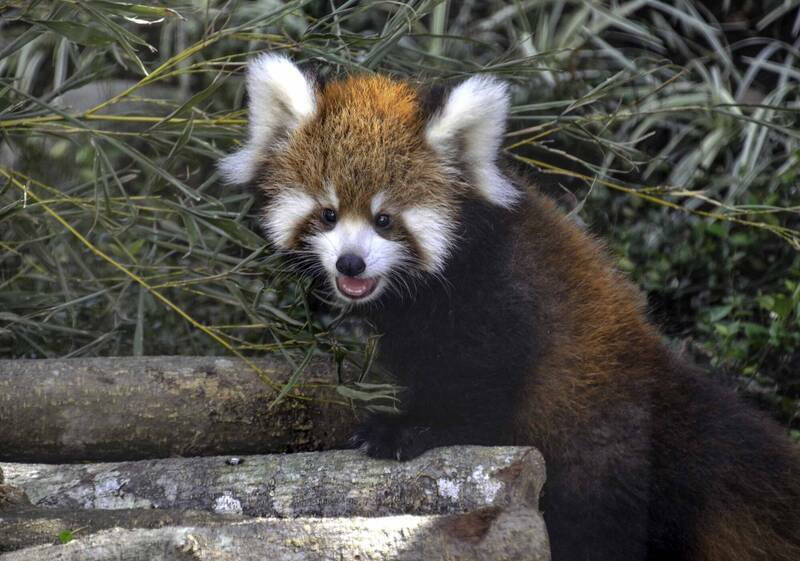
356, 287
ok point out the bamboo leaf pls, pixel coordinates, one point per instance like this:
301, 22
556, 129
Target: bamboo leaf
83, 34
130, 9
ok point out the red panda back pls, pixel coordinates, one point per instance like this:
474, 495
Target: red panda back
719, 480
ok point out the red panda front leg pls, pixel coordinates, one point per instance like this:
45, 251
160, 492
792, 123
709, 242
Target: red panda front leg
404, 437
394, 437
446, 417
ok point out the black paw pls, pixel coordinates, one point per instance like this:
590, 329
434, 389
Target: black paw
392, 437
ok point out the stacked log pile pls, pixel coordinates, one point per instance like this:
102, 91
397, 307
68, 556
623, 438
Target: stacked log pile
451, 503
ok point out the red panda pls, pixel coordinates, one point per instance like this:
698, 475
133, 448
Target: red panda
505, 321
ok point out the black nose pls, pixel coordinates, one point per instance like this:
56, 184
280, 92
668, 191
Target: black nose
350, 265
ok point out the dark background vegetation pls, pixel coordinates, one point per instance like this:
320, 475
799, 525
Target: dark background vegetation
669, 127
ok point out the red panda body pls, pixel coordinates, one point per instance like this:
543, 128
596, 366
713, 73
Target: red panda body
537, 341
507, 324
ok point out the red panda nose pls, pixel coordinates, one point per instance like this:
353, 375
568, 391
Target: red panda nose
350, 265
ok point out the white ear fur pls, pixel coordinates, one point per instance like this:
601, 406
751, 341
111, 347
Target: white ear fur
473, 119
281, 99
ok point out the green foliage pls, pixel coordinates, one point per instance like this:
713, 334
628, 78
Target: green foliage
117, 237
65, 537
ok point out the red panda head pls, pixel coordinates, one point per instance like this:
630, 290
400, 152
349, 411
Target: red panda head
360, 184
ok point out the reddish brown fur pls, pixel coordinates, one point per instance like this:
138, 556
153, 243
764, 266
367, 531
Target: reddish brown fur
365, 137
598, 316
729, 537
606, 364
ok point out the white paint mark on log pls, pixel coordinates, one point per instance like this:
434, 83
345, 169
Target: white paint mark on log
487, 485
448, 488
227, 504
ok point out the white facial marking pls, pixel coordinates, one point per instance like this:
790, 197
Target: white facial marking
359, 237
331, 199
281, 98
433, 231
287, 210
377, 202
475, 113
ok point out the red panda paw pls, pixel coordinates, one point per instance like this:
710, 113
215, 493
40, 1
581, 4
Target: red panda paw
392, 437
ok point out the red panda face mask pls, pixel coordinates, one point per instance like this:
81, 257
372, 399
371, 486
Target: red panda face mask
362, 187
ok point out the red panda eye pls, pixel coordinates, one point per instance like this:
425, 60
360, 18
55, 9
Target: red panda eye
329, 216
383, 221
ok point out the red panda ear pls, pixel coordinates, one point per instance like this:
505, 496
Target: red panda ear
469, 129
281, 99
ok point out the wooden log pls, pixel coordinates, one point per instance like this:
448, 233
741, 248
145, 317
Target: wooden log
335, 483
490, 534
11, 496
127, 408
31, 526
461, 502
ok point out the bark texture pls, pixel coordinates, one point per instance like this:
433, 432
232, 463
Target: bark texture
32, 526
129, 408
335, 483
494, 535
466, 503
451, 503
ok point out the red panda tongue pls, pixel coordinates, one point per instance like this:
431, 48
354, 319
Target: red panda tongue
355, 287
